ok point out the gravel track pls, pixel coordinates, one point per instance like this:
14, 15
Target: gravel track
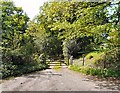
57, 80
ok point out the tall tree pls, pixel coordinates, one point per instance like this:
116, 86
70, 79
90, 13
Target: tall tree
73, 20
15, 41
14, 23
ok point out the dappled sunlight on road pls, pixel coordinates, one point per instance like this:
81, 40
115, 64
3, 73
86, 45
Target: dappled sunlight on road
59, 80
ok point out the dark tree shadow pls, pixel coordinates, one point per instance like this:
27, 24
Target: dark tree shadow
42, 74
108, 82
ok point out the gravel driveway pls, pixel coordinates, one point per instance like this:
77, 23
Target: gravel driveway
57, 80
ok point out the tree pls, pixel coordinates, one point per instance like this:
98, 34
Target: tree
14, 24
14, 37
73, 20
45, 42
114, 34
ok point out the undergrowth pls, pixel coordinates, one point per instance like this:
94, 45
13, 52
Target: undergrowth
8, 70
95, 71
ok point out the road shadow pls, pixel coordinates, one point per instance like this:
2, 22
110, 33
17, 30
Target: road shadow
47, 72
108, 82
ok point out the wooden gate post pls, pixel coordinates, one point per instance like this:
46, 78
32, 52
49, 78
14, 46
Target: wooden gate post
83, 59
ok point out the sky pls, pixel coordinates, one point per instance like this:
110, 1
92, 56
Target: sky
31, 7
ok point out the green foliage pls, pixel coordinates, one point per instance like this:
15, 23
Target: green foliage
95, 55
14, 23
111, 59
42, 58
60, 27
45, 42
9, 69
73, 20
95, 71
17, 43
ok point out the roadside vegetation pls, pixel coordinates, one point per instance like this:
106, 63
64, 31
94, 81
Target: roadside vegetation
84, 30
95, 71
99, 65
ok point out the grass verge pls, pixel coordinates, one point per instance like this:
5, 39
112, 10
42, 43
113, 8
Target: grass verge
95, 71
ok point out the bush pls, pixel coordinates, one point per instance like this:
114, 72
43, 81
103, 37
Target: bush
110, 60
96, 71
8, 69
95, 55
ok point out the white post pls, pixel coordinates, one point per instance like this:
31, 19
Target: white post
71, 60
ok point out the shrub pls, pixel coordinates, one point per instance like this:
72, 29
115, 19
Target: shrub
96, 71
110, 60
8, 69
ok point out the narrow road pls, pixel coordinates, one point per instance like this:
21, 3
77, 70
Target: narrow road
57, 80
